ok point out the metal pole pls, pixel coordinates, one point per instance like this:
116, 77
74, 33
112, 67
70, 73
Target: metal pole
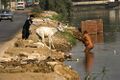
10, 4
0, 4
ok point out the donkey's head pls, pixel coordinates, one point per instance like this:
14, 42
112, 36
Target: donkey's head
60, 28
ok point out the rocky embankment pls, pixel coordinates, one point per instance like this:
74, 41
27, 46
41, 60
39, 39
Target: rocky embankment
32, 60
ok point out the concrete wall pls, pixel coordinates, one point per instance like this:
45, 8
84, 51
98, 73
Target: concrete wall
111, 0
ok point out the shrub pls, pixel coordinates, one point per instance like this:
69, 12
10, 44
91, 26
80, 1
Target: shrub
69, 37
63, 7
36, 9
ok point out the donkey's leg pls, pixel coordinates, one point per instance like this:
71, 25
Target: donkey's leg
49, 38
52, 43
43, 39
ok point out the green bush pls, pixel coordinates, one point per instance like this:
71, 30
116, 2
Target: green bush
5, 3
36, 9
63, 7
58, 17
69, 37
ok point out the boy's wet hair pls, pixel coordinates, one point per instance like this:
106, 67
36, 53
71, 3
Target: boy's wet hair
85, 32
79, 29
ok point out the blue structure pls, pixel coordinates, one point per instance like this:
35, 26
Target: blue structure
29, 0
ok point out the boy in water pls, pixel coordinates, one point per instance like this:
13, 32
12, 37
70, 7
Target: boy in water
86, 39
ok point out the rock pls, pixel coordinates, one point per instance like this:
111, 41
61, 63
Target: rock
23, 54
38, 56
53, 63
2, 59
39, 44
66, 72
60, 70
37, 21
34, 56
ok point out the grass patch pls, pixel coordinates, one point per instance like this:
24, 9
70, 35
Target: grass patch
59, 17
69, 37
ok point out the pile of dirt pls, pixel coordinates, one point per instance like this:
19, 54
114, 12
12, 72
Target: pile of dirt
16, 66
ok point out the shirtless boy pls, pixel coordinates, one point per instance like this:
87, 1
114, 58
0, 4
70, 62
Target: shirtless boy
86, 39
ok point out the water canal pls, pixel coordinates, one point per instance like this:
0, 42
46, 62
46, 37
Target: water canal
104, 60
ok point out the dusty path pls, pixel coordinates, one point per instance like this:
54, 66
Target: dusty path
30, 76
4, 46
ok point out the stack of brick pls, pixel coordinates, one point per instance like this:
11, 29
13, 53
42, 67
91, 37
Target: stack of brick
92, 26
95, 28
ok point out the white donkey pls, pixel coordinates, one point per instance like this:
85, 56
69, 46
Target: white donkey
48, 32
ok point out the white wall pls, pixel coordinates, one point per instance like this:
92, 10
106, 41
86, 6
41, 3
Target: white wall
111, 0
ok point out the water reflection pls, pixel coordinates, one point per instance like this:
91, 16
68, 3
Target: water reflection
103, 58
109, 37
98, 38
89, 61
112, 16
110, 19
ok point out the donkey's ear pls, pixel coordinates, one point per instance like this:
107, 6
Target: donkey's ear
65, 26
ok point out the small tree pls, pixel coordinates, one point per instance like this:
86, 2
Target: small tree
5, 3
63, 7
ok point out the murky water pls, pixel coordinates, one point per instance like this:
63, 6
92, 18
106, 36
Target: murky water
103, 63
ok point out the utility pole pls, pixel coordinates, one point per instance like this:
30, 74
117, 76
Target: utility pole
10, 4
0, 4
